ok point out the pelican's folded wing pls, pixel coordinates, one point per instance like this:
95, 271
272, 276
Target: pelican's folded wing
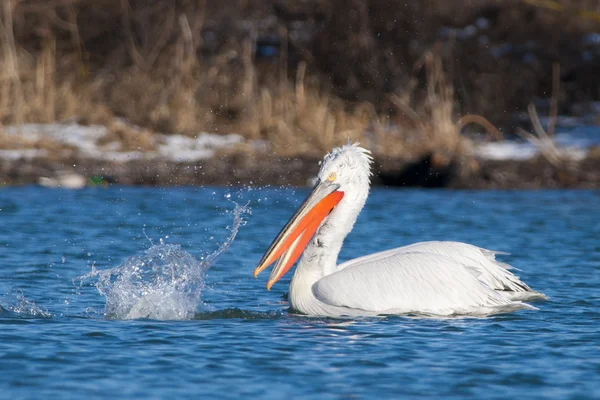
405, 281
480, 262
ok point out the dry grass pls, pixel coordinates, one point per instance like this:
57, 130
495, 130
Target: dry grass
300, 120
168, 86
440, 128
190, 95
434, 126
295, 119
128, 138
543, 140
29, 88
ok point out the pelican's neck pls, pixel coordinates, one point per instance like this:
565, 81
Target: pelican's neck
320, 256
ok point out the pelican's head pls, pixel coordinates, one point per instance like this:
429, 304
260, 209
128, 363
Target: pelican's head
344, 175
348, 166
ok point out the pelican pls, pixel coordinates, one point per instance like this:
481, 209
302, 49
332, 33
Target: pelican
427, 278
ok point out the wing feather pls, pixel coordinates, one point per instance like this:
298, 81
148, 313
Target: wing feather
407, 281
481, 263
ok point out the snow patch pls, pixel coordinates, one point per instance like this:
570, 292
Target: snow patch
571, 145
506, 150
19, 154
85, 140
183, 148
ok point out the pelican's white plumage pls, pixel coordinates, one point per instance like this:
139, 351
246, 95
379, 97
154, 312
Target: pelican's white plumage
429, 278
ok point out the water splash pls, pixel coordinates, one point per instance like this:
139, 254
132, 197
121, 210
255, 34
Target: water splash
164, 283
15, 302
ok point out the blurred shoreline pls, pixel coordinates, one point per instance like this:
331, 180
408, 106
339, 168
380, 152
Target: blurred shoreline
239, 171
74, 160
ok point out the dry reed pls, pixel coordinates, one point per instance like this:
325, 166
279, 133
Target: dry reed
300, 120
544, 140
167, 85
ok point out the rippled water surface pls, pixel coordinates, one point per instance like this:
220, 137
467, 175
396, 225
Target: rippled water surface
60, 338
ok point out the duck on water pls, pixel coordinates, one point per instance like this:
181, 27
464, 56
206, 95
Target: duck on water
427, 278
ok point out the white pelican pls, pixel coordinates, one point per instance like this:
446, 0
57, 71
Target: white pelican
429, 278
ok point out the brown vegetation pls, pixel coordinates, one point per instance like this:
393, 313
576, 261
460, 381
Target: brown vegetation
377, 71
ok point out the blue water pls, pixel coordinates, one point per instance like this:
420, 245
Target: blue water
240, 341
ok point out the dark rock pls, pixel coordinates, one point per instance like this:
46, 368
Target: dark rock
426, 172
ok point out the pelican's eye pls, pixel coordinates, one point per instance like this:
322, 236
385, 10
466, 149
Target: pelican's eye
331, 177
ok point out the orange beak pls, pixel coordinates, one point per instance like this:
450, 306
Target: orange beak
295, 235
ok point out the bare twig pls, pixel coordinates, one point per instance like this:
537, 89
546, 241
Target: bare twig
481, 121
542, 141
